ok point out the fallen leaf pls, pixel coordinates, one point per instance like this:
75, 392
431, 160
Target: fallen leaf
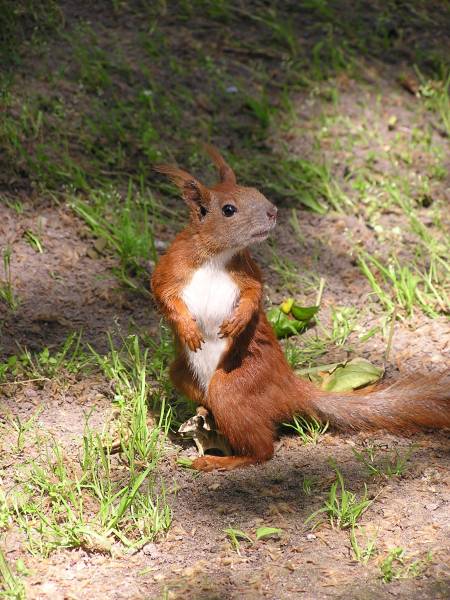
290, 318
344, 376
357, 373
304, 313
287, 305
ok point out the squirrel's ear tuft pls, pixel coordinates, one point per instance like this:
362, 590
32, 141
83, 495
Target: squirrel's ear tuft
178, 176
225, 171
192, 190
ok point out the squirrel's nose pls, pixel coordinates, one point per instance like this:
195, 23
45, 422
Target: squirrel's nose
272, 213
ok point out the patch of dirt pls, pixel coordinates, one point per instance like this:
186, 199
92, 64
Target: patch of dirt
68, 287
195, 560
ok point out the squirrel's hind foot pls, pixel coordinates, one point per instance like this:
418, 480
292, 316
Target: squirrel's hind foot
222, 463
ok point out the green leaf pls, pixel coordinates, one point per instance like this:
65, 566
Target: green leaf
287, 305
304, 313
237, 534
127, 498
319, 369
355, 374
320, 374
343, 376
290, 318
263, 532
283, 325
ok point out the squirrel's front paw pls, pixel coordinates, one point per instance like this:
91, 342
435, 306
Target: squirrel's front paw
236, 325
190, 335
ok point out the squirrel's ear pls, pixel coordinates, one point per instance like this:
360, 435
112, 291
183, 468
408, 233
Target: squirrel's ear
192, 190
225, 171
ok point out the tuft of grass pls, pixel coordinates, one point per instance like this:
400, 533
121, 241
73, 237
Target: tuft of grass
10, 584
5, 515
7, 293
62, 505
234, 536
23, 21
342, 507
125, 227
261, 108
363, 553
343, 321
94, 503
399, 285
34, 240
432, 248
312, 347
436, 96
15, 205
9, 365
397, 565
311, 184
293, 353
128, 369
22, 428
396, 464
308, 484
72, 358
330, 56
120, 366
282, 29
309, 430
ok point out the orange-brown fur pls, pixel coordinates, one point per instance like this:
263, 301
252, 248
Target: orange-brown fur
253, 388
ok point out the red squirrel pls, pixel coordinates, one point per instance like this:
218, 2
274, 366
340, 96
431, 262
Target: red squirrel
228, 358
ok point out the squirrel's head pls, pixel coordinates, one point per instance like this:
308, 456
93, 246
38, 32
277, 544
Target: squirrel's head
225, 216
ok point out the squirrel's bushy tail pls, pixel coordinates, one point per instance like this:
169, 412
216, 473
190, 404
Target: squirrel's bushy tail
404, 407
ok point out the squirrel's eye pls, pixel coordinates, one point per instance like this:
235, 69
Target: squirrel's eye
203, 211
228, 210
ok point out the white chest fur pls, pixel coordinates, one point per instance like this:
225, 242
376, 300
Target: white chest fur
210, 296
